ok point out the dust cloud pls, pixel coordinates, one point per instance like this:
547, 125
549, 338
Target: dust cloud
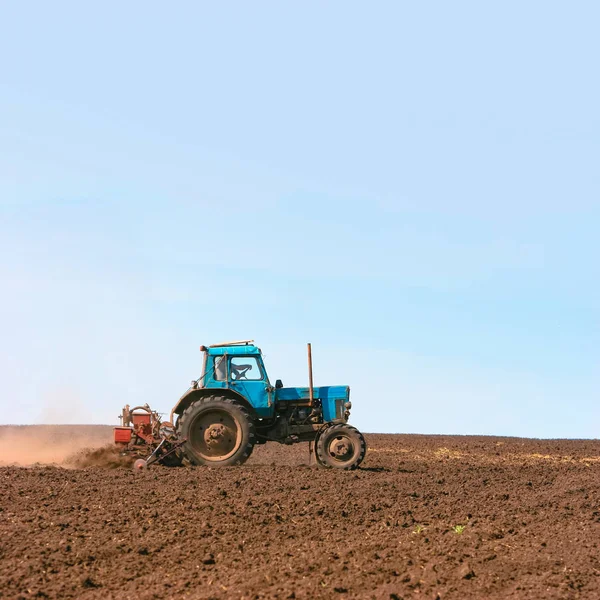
108, 456
26, 445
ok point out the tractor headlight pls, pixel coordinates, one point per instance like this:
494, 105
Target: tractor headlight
347, 407
194, 384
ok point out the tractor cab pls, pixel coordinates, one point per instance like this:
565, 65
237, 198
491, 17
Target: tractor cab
238, 367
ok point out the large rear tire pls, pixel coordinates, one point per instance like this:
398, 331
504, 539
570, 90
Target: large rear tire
340, 446
218, 431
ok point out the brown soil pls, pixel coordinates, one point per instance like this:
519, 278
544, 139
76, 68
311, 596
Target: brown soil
427, 516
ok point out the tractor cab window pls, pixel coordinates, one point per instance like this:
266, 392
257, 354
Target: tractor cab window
220, 367
245, 368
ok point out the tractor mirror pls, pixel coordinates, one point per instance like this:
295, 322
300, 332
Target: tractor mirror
278, 384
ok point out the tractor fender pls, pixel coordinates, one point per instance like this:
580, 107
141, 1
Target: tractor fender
195, 394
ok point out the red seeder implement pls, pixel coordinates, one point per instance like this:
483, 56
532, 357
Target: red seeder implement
141, 430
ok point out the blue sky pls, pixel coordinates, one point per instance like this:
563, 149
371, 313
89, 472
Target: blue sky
412, 187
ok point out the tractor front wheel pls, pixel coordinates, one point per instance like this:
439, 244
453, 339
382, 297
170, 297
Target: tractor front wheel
340, 446
218, 432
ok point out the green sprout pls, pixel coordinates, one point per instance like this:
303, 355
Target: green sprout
458, 529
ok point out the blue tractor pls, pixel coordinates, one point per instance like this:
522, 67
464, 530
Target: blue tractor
233, 406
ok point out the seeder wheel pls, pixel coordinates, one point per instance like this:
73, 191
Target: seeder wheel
140, 465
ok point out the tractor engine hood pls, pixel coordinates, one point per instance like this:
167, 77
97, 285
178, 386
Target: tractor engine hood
327, 392
334, 399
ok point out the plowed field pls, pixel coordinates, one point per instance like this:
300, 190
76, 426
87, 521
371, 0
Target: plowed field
426, 516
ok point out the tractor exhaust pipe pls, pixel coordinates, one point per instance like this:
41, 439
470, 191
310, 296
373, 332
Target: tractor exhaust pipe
310, 377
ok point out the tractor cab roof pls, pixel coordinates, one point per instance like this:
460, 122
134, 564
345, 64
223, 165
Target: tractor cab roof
238, 348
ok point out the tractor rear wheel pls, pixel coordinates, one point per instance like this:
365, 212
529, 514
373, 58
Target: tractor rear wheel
218, 430
340, 446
